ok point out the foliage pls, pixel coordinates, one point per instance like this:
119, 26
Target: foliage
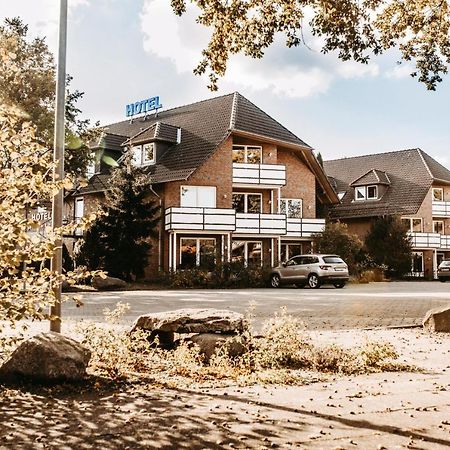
337, 240
118, 241
356, 30
389, 245
285, 354
32, 88
226, 275
26, 281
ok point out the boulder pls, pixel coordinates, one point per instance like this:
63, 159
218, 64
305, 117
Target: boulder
210, 342
438, 319
192, 321
47, 357
108, 283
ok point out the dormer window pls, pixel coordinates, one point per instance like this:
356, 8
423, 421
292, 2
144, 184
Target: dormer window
143, 155
366, 192
248, 154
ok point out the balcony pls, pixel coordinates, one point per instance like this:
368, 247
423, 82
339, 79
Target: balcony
259, 174
268, 224
425, 240
202, 219
304, 227
440, 209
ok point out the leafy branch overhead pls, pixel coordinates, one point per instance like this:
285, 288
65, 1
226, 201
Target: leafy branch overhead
355, 29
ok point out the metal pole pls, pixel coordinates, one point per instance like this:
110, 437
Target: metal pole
58, 155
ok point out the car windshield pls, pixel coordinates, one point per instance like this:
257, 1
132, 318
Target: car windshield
445, 264
333, 260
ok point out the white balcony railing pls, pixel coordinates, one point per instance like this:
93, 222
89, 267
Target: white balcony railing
425, 240
253, 223
445, 241
205, 219
304, 227
440, 209
259, 174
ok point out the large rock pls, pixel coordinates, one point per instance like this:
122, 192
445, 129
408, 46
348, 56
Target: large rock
47, 357
209, 343
108, 283
192, 321
438, 319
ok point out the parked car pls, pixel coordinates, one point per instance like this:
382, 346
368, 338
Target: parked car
311, 270
443, 271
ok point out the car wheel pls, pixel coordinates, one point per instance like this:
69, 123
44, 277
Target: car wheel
313, 281
275, 280
339, 285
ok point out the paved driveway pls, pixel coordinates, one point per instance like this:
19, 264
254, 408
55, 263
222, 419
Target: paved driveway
355, 306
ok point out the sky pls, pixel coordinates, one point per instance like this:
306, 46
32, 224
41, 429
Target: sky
122, 51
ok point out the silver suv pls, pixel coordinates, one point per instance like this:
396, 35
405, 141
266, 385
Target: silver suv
311, 270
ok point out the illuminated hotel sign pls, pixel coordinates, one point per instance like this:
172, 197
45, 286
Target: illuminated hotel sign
143, 106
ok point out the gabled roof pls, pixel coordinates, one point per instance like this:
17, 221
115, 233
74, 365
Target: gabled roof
157, 131
411, 174
110, 141
204, 126
373, 176
97, 183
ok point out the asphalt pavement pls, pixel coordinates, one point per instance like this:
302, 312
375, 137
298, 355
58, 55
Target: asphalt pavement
385, 304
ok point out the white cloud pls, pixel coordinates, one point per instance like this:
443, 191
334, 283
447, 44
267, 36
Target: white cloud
400, 71
288, 72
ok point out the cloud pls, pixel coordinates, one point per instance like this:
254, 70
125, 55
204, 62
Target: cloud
293, 73
400, 71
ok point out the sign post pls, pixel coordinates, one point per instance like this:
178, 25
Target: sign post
58, 156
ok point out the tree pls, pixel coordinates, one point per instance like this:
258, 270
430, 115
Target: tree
337, 240
389, 245
118, 241
354, 29
32, 88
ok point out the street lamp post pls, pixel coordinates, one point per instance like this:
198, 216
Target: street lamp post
58, 155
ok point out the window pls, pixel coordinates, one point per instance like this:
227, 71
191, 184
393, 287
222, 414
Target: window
148, 153
360, 193
372, 192
198, 196
247, 203
292, 207
417, 263
79, 209
438, 226
366, 192
438, 195
247, 252
197, 252
143, 154
414, 224
249, 154
290, 250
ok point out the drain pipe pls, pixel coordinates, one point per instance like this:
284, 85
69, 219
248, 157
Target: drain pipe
160, 263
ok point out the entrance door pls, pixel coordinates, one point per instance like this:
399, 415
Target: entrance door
440, 258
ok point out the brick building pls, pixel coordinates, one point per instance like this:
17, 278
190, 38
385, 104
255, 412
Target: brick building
409, 184
233, 184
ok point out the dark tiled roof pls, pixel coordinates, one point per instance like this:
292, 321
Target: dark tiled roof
158, 131
248, 117
373, 176
109, 141
407, 170
97, 183
438, 171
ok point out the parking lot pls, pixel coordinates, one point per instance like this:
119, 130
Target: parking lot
356, 306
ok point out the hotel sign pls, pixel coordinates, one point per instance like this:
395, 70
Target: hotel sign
143, 106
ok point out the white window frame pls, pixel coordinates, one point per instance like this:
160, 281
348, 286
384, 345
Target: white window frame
376, 192
78, 201
197, 189
246, 250
246, 150
144, 159
411, 229
286, 249
286, 200
246, 194
197, 244
443, 226
362, 190
441, 190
